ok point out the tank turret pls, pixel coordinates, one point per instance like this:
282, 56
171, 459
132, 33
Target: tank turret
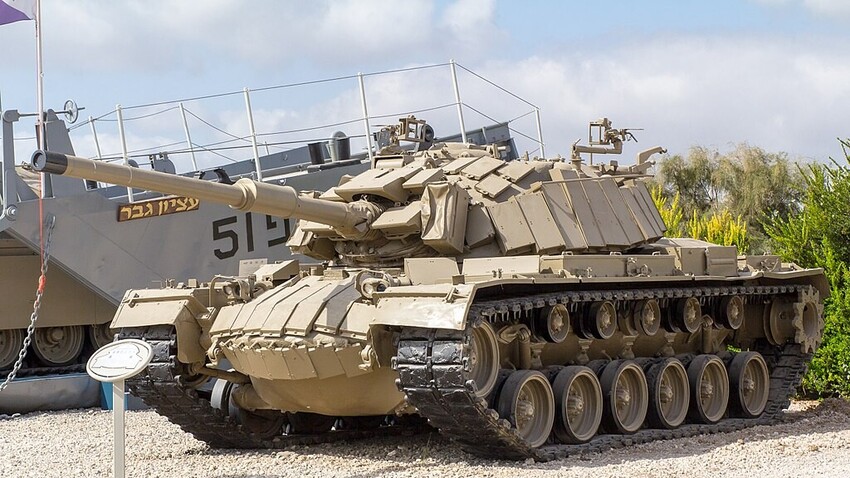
524, 308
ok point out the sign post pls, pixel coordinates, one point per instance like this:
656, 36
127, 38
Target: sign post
113, 363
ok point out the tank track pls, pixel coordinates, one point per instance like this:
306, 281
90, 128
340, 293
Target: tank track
34, 367
431, 374
161, 388
45, 371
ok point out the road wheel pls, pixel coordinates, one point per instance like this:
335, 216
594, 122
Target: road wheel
709, 389
100, 335
625, 394
526, 400
578, 404
749, 381
10, 346
58, 346
669, 393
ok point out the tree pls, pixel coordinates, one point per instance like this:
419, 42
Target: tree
690, 177
748, 182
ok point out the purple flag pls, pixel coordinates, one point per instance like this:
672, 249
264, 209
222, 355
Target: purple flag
16, 10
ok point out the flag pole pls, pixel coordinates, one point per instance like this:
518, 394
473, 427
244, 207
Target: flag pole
40, 77
40, 89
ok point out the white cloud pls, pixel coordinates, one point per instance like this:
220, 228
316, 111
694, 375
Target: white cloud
471, 25
828, 7
772, 92
181, 34
820, 7
777, 93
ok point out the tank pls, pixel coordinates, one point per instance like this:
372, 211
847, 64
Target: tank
525, 309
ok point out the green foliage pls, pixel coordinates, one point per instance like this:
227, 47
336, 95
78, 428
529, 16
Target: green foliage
829, 371
748, 182
720, 228
816, 236
717, 227
671, 213
691, 178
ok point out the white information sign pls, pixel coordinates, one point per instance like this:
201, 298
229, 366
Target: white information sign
119, 360
113, 363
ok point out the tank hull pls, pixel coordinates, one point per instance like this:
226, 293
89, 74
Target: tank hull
342, 362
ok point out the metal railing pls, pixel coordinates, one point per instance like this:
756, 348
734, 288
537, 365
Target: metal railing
209, 140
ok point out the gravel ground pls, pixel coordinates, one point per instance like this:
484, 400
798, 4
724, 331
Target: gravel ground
813, 440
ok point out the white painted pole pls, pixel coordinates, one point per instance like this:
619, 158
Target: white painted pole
94, 135
188, 136
366, 118
457, 101
46, 185
118, 429
123, 146
253, 136
539, 133
40, 76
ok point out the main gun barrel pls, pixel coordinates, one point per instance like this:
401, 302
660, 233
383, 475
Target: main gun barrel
244, 195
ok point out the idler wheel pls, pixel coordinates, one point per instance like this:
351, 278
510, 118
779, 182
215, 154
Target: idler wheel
749, 381
100, 335
552, 324
220, 397
669, 393
263, 424
625, 395
647, 316
309, 423
526, 400
709, 386
686, 315
600, 321
58, 346
731, 312
10, 346
483, 357
578, 404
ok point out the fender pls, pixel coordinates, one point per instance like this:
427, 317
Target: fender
180, 308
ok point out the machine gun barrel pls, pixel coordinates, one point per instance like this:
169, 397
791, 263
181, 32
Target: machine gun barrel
244, 195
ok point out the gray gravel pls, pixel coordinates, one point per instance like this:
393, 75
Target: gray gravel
813, 440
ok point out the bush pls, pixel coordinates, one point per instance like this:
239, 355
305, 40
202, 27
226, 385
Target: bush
671, 213
720, 228
716, 227
816, 237
829, 371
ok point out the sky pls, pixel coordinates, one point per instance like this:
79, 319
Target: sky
771, 73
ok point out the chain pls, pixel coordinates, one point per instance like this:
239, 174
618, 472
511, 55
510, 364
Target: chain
36, 306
